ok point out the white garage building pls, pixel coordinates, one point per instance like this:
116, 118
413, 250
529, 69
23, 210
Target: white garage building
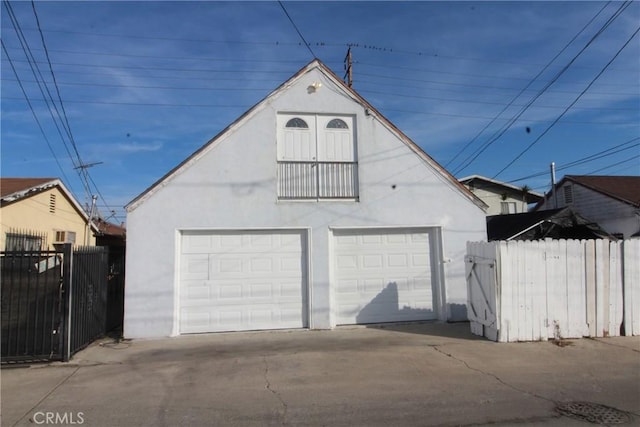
311, 210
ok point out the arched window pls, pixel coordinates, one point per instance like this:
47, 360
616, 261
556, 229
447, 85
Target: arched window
337, 124
297, 122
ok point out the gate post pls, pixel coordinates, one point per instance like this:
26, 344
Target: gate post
65, 336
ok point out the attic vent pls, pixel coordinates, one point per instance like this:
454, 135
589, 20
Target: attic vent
568, 195
52, 203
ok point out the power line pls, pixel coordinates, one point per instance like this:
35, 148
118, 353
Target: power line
83, 171
277, 43
395, 67
617, 164
203, 70
570, 105
238, 89
470, 159
244, 106
466, 101
593, 157
468, 116
35, 116
525, 87
398, 84
280, 72
297, 30
36, 71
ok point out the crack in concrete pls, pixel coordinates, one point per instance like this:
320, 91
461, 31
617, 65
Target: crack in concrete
494, 376
274, 392
613, 345
67, 378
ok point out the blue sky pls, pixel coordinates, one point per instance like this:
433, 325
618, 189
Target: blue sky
499, 89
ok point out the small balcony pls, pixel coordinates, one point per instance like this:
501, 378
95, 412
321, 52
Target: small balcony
317, 180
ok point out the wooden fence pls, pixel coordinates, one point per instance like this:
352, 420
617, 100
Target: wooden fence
553, 289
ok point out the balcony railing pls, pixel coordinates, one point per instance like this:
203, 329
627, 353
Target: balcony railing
317, 180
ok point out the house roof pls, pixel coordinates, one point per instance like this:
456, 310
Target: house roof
314, 64
20, 187
623, 188
109, 229
555, 223
15, 189
532, 196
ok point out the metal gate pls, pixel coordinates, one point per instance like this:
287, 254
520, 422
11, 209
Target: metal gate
88, 296
54, 303
32, 306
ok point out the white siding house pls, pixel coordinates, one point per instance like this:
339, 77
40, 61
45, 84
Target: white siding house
311, 210
613, 202
502, 198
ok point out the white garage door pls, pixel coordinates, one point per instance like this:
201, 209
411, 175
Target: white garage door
236, 281
382, 275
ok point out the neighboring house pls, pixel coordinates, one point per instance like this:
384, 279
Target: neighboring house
109, 234
40, 213
309, 211
501, 197
551, 224
613, 202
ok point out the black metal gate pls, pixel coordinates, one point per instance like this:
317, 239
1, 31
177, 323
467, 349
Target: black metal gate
32, 306
54, 303
88, 301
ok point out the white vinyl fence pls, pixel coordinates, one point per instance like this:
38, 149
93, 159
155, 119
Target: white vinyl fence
537, 290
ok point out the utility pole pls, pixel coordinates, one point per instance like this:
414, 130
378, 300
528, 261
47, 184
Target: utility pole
92, 210
553, 185
348, 69
87, 239
85, 177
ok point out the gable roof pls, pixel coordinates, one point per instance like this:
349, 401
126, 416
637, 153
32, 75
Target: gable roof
13, 190
623, 188
314, 64
532, 196
17, 186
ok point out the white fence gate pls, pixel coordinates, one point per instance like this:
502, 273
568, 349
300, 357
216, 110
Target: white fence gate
536, 290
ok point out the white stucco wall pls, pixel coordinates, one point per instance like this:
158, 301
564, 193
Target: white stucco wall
232, 184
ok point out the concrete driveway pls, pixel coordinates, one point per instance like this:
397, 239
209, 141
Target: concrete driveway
408, 375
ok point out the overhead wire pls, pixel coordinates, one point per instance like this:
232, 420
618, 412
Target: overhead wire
81, 166
531, 81
35, 116
313, 55
263, 89
280, 61
49, 102
535, 141
60, 113
593, 157
498, 134
366, 46
630, 159
82, 170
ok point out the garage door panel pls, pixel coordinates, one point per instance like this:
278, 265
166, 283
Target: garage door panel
242, 281
196, 243
382, 276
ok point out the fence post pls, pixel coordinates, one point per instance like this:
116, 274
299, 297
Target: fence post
67, 272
